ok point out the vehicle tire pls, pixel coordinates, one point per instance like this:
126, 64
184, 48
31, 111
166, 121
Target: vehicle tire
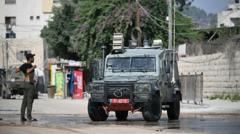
1, 91
121, 115
152, 110
173, 111
96, 112
3, 94
8, 96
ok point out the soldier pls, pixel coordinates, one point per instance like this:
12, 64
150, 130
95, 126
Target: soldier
29, 91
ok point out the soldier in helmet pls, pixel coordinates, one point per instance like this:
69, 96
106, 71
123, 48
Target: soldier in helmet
29, 91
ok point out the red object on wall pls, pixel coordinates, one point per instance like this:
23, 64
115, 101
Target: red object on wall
78, 84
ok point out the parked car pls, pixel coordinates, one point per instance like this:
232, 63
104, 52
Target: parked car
14, 84
2, 79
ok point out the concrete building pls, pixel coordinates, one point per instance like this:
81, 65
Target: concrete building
231, 16
27, 18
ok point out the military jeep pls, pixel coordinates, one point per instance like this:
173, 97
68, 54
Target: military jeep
141, 79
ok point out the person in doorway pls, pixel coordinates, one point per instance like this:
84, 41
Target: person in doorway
29, 85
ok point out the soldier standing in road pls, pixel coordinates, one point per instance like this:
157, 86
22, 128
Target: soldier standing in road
29, 91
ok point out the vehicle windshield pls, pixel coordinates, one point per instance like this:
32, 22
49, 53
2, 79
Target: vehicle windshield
119, 64
132, 64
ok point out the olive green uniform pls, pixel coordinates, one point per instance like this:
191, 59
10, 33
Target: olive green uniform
29, 91
27, 101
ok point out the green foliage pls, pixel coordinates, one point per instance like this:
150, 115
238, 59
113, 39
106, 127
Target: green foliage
59, 31
200, 17
226, 96
184, 3
80, 27
219, 33
184, 30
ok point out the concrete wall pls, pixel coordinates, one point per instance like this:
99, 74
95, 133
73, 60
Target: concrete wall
23, 10
35, 45
221, 71
27, 30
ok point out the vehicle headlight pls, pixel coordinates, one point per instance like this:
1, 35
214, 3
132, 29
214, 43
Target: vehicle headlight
142, 88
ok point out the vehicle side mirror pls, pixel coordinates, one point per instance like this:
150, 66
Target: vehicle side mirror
167, 69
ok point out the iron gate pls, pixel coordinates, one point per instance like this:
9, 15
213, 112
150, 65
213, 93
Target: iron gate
192, 88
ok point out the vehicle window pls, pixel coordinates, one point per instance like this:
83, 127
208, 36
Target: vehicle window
146, 64
16, 76
118, 64
132, 64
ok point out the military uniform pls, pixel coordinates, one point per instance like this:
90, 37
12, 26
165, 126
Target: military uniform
27, 101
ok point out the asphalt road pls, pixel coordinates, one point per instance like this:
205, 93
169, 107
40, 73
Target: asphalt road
212, 124
54, 117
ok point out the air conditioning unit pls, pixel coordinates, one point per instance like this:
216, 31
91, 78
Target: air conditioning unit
118, 41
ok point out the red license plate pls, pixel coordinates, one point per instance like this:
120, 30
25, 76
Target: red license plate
119, 101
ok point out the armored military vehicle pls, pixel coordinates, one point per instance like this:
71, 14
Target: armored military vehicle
135, 79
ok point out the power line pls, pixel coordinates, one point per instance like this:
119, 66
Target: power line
155, 19
158, 19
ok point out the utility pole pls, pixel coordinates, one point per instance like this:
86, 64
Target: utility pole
9, 35
45, 68
7, 58
138, 21
103, 58
174, 39
138, 14
170, 18
3, 55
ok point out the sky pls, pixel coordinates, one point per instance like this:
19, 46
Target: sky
211, 6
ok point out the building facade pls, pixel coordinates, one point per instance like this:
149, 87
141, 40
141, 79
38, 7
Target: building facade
231, 16
26, 18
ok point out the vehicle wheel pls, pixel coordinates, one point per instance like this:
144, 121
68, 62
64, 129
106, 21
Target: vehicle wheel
0, 90
173, 111
121, 115
152, 110
96, 112
3, 95
8, 96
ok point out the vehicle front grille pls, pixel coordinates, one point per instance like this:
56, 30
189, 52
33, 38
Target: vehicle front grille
119, 90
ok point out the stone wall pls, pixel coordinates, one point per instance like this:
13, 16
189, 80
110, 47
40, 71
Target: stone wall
221, 70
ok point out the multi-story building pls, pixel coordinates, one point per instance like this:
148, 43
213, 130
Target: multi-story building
231, 16
27, 18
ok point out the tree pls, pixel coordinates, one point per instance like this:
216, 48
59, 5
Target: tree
79, 28
200, 16
59, 31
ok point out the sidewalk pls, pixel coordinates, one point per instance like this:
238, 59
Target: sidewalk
79, 107
212, 107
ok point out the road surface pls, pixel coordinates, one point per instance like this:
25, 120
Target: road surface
58, 116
